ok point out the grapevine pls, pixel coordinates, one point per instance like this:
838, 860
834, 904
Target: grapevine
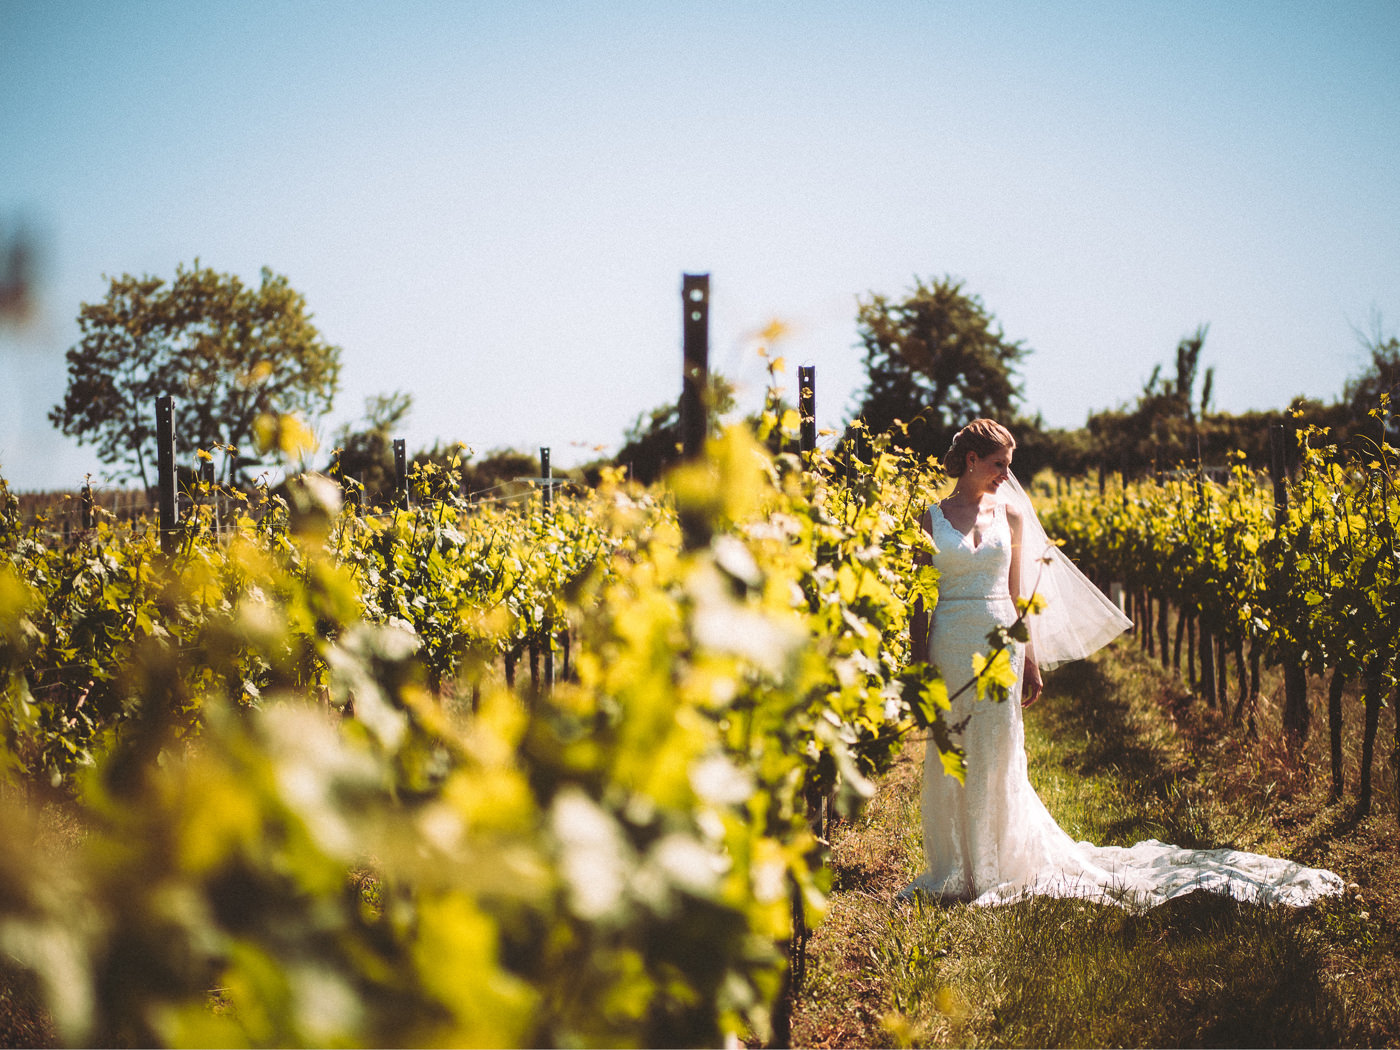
1314, 588
308, 789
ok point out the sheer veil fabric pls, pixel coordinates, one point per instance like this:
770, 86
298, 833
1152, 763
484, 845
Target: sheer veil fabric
990, 839
1078, 619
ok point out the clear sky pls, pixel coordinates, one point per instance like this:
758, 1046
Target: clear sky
490, 205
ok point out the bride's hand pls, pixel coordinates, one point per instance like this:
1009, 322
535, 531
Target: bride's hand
1032, 686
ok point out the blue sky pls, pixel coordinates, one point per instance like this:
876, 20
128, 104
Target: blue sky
490, 205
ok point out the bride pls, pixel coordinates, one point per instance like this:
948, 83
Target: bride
989, 839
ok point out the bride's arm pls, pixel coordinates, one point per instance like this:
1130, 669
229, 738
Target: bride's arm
1031, 684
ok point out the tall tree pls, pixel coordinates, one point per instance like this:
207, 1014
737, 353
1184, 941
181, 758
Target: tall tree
227, 352
365, 451
1188, 365
19, 257
934, 360
1162, 429
1380, 376
652, 443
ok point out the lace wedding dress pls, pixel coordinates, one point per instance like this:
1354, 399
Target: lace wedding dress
990, 839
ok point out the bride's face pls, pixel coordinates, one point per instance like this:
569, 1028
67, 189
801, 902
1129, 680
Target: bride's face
986, 473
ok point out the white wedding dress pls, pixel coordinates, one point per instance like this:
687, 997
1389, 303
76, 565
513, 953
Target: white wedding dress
990, 839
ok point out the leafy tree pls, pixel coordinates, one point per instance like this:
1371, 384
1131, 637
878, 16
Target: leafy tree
1381, 376
1067, 452
1161, 430
652, 443
1175, 399
365, 451
934, 360
228, 353
496, 468
19, 263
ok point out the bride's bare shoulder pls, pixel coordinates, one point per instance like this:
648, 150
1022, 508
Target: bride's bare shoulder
1013, 514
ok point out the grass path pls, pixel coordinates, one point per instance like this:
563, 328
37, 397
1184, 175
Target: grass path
1119, 753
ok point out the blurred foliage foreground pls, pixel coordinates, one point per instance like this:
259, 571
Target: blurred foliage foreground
311, 810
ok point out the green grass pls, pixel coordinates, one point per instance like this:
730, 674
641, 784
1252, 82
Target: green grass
1044, 972
1118, 755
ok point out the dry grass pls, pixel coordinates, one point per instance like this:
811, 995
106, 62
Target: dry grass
1120, 752
23, 1021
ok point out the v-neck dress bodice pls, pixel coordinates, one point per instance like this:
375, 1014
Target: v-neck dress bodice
972, 571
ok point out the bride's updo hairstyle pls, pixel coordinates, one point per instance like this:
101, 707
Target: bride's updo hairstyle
983, 436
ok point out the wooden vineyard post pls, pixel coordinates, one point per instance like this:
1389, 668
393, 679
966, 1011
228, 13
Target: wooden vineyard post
1205, 641
1373, 693
695, 367
1241, 681
167, 509
1191, 649
1222, 695
87, 506
1163, 631
208, 495
400, 474
547, 479
807, 409
1395, 746
856, 452
1278, 461
1207, 656
204, 473
1295, 679
1180, 635
820, 807
1334, 723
